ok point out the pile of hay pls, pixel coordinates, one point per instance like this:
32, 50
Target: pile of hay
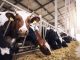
67, 53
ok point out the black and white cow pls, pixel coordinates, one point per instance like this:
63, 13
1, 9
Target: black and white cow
66, 37
54, 40
7, 35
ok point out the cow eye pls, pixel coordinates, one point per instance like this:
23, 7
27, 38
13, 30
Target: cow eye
18, 18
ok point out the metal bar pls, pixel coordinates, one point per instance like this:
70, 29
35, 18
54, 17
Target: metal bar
69, 17
26, 46
2, 4
13, 5
24, 41
74, 18
65, 17
75, 21
35, 50
56, 13
6, 28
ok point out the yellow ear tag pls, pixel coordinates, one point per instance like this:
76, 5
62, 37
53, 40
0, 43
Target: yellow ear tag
38, 46
11, 19
34, 22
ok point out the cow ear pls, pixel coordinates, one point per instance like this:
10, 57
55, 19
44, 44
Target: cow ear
10, 16
35, 19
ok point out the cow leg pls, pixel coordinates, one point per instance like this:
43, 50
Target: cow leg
7, 57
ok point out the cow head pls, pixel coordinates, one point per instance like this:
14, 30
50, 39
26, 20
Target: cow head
23, 21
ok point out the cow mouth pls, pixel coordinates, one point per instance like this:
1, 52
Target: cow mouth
23, 34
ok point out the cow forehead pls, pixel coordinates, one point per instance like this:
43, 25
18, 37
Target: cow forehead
23, 14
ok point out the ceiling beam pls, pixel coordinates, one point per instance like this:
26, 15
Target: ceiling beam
45, 8
41, 6
25, 6
54, 11
48, 14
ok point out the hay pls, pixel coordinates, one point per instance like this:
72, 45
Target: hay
67, 53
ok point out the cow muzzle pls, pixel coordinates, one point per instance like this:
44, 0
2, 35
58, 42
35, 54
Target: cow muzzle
23, 33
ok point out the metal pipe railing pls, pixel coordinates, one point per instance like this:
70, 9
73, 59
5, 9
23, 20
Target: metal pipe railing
13, 5
2, 4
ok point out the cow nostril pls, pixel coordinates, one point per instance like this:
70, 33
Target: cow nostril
20, 30
26, 31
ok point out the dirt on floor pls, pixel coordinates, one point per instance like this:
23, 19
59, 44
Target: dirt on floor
68, 53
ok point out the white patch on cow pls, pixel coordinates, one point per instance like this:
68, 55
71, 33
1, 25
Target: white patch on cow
47, 45
5, 51
3, 18
48, 28
24, 28
24, 16
34, 27
13, 40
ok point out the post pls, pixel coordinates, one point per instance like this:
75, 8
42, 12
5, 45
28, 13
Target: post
65, 17
69, 13
56, 15
78, 19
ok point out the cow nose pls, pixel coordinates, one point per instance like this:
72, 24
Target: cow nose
23, 31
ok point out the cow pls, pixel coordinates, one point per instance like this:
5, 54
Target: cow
54, 40
32, 22
66, 37
7, 36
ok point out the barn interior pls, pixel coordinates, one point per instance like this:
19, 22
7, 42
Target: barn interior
59, 15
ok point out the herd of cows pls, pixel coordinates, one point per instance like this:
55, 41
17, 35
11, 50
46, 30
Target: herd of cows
19, 25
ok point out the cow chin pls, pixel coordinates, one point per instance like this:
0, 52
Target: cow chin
23, 34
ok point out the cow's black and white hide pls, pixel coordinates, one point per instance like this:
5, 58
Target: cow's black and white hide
7, 42
53, 39
64, 44
66, 37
